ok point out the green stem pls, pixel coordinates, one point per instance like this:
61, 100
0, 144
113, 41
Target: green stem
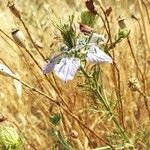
107, 107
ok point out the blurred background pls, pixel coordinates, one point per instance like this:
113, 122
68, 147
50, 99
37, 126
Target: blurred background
31, 111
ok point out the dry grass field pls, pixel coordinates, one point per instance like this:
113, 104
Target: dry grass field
85, 123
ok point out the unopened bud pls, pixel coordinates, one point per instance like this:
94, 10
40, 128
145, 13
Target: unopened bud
9, 138
123, 33
73, 133
134, 84
19, 38
85, 29
14, 9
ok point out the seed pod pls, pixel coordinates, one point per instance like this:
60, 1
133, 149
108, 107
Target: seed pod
9, 138
90, 6
19, 38
121, 22
14, 9
134, 84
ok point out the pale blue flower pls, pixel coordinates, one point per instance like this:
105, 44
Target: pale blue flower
67, 63
95, 55
67, 68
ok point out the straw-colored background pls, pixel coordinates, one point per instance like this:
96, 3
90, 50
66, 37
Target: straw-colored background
31, 111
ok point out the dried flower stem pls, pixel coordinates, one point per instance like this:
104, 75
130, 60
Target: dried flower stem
31, 39
114, 66
145, 54
58, 104
29, 53
22, 53
148, 16
143, 79
143, 22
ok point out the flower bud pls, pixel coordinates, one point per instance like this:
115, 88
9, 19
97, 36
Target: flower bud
14, 9
123, 33
9, 138
19, 38
85, 29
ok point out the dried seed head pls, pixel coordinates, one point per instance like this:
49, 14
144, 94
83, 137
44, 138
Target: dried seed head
134, 84
19, 38
73, 133
121, 22
14, 9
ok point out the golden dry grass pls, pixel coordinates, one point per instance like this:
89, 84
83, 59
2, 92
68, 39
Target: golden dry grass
31, 111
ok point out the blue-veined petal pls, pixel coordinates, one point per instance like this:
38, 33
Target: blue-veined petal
51, 64
67, 68
95, 55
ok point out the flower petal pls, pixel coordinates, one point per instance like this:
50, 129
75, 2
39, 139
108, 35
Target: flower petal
67, 68
95, 55
51, 64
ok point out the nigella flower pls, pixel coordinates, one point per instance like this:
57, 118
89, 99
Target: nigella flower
67, 63
65, 69
95, 55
